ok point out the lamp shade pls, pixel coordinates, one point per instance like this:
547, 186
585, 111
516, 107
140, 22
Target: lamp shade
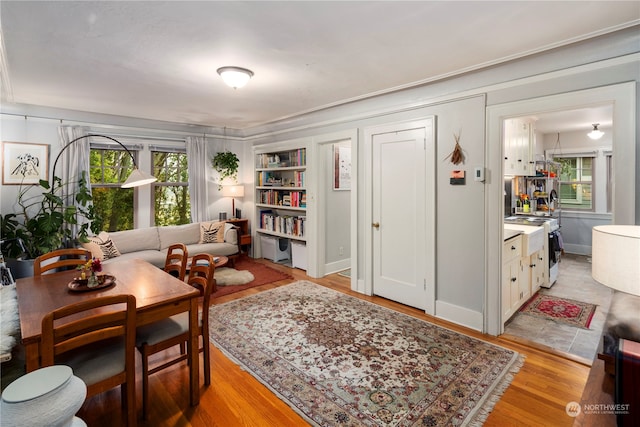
614, 257
236, 77
233, 191
138, 178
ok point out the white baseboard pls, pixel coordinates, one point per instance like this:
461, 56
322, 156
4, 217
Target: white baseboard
577, 249
459, 315
334, 267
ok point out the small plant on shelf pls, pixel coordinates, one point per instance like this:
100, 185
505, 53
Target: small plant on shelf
226, 164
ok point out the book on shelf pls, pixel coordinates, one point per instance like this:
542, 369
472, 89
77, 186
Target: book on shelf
297, 199
293, 158
282, 224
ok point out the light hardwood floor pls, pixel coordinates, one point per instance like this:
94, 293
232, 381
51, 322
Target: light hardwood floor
537, 396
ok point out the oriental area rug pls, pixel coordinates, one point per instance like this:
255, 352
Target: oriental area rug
262, 275
341, 361
562, 310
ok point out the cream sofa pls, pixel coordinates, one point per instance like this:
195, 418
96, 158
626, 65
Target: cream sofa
150, 244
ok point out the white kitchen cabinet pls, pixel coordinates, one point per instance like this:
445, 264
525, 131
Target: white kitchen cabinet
537, 271
512, 271
531, 258
519, 147
524, 285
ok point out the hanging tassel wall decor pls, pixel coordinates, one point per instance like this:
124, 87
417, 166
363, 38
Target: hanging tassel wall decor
456, 155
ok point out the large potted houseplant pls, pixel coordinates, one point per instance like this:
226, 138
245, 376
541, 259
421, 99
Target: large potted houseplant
226, 164
44, 223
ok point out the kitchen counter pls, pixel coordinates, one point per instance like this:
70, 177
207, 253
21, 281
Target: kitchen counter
510, 234
533, 237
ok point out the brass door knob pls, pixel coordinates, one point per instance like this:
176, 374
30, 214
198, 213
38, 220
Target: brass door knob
376, 225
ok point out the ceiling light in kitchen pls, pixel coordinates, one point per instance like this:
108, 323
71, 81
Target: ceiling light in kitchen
595, 133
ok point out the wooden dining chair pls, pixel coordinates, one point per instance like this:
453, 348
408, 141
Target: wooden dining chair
96, 338
174, 331
66, 258
176, 261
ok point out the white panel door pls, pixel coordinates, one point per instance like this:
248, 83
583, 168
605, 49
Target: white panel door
399, 217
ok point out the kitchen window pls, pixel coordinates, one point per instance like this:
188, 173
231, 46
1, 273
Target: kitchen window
576, 182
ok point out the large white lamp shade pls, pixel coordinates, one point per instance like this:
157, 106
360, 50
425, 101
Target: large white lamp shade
615, 257
233, 191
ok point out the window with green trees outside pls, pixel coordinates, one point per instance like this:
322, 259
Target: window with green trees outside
172, 205
108, 170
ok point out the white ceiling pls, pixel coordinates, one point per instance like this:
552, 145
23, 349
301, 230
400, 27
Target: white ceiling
158, 60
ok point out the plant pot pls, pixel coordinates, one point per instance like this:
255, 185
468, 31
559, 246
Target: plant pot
20, 267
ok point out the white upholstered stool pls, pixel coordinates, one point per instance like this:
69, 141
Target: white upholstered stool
48, 396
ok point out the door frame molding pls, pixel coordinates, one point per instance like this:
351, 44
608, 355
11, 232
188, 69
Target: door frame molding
428, 123
622, 96
318, 142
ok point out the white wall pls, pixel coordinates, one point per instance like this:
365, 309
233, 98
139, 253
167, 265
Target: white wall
460, 223
31, 130
467, 221
16, 128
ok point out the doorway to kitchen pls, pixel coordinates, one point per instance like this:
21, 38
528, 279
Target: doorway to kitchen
583, 168
622, 98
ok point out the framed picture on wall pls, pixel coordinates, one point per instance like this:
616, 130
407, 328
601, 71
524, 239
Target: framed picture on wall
24, 163
341, 166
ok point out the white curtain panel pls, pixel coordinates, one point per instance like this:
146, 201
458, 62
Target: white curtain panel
197, 160
74, 160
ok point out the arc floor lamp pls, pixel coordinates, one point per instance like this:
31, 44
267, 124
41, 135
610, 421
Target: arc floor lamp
136, 178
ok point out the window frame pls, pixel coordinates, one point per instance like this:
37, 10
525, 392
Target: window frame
153, 149
595, 177
135, 152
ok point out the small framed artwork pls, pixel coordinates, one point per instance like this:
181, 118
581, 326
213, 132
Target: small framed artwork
342, 166
457, 178
24, 163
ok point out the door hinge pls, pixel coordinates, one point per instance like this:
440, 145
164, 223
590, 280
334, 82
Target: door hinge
425, 144
425, 284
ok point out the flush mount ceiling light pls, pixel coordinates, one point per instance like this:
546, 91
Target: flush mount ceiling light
235, 76
595, 133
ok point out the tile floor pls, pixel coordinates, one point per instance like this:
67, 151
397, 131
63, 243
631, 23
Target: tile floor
574, 282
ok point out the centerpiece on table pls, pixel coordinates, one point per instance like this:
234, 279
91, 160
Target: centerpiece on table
88, 272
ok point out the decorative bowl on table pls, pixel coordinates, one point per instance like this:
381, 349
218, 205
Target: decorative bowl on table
82, 285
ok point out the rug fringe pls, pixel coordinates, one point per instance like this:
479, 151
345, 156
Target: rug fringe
485, 406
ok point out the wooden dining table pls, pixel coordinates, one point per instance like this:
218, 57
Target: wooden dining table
158, 296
